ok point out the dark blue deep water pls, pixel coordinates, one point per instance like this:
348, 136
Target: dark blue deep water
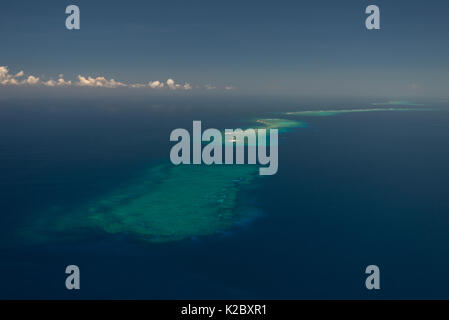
352, 190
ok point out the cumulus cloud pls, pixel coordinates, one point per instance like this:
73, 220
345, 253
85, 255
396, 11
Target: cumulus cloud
171, 84
98, 82
3, 71
57, 83
21, 78
9, 79
156, 84
32, 80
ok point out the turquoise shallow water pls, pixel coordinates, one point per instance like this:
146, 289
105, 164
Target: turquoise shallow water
165, 203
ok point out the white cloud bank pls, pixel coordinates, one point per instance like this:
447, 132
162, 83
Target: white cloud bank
98, 82
21, 79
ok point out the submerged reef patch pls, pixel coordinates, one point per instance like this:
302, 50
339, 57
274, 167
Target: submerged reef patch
283, 125
398, 103
326, 113
166, 203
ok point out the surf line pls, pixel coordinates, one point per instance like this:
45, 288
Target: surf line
212, 152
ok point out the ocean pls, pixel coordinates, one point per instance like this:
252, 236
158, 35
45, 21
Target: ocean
353, 189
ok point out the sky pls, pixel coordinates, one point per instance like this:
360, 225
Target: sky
318, 47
